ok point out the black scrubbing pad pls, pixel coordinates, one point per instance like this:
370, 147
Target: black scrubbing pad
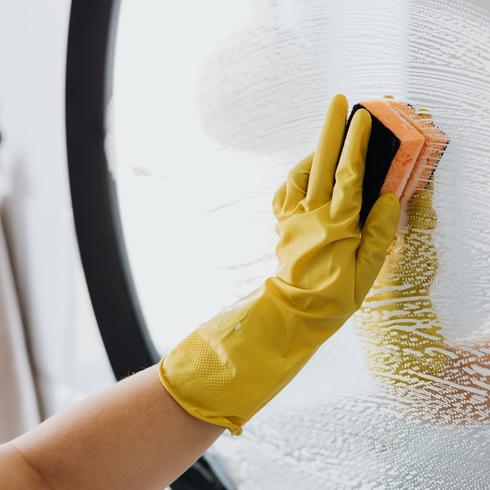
382, 148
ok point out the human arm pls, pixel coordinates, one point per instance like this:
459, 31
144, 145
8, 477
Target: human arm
135, 435
131, 435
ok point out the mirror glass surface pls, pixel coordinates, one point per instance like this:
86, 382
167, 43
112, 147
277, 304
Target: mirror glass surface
213, 102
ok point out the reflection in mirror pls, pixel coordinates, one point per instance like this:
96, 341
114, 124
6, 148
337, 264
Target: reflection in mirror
213, 103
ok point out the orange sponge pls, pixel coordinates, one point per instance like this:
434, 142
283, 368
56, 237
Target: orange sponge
434, 146
403, 151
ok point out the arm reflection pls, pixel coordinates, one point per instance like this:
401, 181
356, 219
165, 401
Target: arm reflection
407, 351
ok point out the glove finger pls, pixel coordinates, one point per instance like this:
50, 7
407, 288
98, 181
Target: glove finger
377, 234
347, 191
320, 184
293, 190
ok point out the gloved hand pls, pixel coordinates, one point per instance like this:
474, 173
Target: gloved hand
232, 365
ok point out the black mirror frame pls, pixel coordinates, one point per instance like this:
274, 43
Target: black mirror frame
91, 39
88, 91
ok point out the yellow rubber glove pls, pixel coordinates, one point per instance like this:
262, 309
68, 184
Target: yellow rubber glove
231, 366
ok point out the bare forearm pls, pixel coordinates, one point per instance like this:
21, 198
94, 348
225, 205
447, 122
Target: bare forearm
16, 473
132, 435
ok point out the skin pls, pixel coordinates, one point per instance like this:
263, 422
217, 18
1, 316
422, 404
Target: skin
132, 435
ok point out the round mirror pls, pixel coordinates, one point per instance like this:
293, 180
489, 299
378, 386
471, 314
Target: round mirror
212, 103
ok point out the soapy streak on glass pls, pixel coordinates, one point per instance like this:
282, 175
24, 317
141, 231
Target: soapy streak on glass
207, 122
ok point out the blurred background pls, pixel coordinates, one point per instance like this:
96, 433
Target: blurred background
206, 107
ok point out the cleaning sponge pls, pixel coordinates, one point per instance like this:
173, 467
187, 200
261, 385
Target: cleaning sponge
404, 148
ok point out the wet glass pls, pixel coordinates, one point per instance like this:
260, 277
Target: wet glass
213, 103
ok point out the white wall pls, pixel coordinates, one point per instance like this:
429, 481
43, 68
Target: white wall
68, 355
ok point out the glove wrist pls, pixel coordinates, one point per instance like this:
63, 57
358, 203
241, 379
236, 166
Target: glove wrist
235, 363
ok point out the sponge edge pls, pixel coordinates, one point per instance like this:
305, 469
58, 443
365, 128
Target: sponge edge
434, 146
